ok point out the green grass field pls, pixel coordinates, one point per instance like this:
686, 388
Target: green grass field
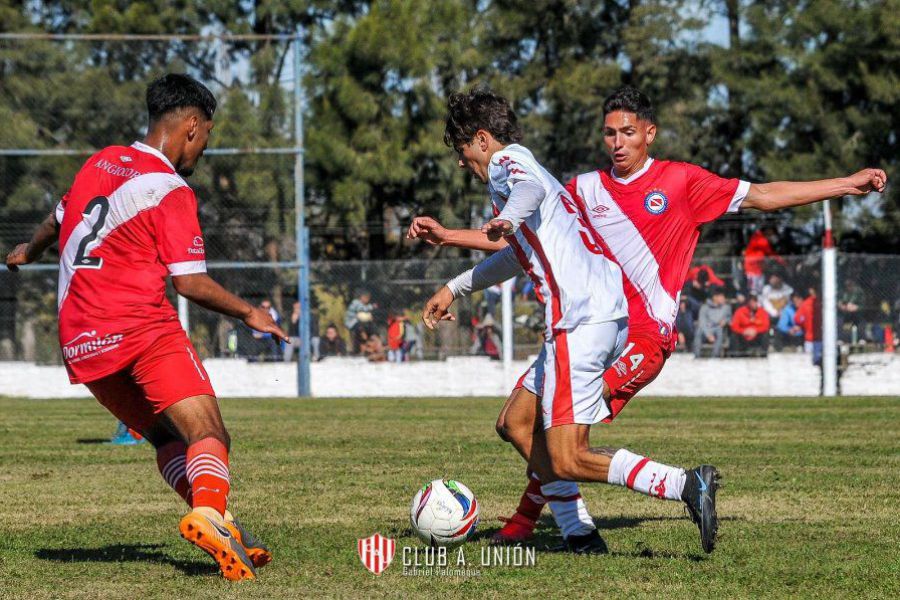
810, 505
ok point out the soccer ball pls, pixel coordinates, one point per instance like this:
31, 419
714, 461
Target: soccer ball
444, 513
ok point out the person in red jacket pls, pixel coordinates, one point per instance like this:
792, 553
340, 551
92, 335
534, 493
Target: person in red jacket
750, 324
809, 317
758, 249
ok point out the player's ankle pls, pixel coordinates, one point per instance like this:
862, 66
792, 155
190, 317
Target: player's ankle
210, 513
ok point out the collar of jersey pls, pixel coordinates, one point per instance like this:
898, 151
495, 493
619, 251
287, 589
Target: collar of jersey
635, 175
142, 147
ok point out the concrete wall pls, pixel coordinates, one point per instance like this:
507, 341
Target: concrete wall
777, 375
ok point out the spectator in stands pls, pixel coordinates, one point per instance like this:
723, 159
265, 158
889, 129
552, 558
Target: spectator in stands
788, 333
294, 333
776, 295
489, 342
758, 249
684, 324
396, 337
332, 344
700, 280
373, 349
850, 302
263, 345
714, 316
751, 327
358, 320
809, 317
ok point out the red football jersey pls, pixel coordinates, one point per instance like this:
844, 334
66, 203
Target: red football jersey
649, 224
127, 222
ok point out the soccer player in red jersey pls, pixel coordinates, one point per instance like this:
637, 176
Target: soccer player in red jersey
128, 221
646, 214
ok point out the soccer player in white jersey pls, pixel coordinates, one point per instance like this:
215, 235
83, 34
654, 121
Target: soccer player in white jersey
646, 214
584, 303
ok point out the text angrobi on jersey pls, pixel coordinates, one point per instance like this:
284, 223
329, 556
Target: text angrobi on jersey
572, 278
127, 222
649, 224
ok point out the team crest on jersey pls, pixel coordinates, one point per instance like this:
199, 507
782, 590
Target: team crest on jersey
656, 202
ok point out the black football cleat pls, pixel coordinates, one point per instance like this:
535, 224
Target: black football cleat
699, 495
589, 543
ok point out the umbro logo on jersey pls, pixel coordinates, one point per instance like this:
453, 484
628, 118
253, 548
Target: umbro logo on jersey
125, 159
600, 210
656, 202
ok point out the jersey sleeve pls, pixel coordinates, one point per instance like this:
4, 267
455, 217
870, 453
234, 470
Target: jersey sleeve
508, 168
179, 240
60, 211
710, 196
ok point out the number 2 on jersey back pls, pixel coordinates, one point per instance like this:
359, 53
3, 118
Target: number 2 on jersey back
82, 261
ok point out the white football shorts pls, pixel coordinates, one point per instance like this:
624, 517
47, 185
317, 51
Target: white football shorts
568, 373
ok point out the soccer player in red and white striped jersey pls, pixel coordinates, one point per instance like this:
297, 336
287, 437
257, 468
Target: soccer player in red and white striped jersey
646, 216
129, 221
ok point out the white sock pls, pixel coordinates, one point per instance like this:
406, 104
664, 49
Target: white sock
568, 508
646, 476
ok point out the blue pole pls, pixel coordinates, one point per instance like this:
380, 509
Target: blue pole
302, 237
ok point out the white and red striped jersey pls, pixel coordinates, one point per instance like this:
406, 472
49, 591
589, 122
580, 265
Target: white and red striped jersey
572, 278
649, 224
127, 222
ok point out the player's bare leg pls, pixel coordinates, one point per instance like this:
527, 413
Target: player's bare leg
198, 422
573, 458
171, 458
518, 423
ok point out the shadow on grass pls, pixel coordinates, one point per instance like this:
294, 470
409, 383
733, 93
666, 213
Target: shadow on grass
125, 553
92, 440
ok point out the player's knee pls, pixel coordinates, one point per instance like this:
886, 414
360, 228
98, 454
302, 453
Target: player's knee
217, 433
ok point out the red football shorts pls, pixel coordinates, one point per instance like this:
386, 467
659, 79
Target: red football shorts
640, 363
169, 370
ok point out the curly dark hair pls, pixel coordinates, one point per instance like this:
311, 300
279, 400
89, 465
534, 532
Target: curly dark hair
176, 90
480, 108
631, 100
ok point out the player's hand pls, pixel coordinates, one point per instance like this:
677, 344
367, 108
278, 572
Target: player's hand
262, 321
866, 181
428, 229
436, 308
496, 229
18, 256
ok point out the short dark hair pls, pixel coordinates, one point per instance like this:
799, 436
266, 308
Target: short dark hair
631, 100
480, 108
176, 90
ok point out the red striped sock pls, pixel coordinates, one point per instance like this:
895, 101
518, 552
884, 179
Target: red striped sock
171, 461
207, 470
568, 508
532, 502
641, 474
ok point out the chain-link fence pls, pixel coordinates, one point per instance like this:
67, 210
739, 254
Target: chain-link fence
373, 309
64, 97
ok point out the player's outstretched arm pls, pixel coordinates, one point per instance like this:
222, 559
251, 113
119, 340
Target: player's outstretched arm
201, 289
785, 194
44, 236
430, 230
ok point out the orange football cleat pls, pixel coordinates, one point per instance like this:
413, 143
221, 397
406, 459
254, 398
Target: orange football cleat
211, 534
259, 554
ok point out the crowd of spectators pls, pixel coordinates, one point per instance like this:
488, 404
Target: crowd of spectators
750, 307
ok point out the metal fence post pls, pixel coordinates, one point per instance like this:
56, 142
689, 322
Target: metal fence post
303, 377
829, 308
